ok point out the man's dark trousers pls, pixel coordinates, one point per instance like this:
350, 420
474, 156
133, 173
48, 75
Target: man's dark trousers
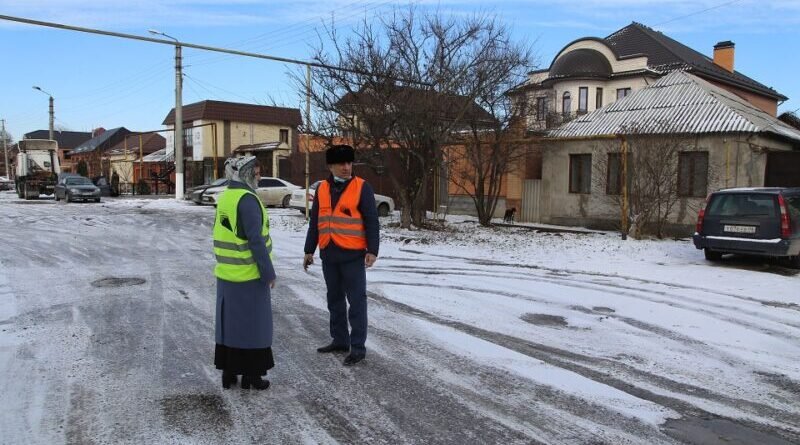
347, 283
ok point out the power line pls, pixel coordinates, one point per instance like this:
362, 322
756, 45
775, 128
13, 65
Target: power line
697, 12
291, 36
177, 43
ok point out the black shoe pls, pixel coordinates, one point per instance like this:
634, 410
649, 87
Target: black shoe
352, 359
333, 348
228, 380
255, 382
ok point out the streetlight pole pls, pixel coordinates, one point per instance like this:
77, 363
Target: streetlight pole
178, 136
52, 112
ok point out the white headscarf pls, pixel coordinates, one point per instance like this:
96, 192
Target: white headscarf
242, 169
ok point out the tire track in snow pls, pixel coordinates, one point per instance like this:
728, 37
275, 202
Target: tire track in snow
690, 303
593, 368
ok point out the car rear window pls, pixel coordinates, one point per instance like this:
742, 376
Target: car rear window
743, 205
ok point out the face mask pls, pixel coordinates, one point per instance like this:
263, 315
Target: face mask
339, 180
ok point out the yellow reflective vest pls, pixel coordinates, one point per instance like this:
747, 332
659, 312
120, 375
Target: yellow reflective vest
235, 260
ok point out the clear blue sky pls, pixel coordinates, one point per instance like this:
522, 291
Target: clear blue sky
110, 82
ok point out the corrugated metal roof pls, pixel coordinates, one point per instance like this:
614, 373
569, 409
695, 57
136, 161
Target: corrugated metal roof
678, 103
97, 141
160, 156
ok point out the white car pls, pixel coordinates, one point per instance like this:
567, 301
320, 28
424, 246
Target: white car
385, 204
275, 191
210, 195
6, 184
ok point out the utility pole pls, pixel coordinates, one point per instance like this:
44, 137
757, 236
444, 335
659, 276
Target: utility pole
624, 217
178, 135
5, 149
52, 118
52, 111
308, 131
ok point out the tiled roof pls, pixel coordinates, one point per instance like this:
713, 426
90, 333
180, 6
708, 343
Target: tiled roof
678, 103
237, 112
666, 54
67, 140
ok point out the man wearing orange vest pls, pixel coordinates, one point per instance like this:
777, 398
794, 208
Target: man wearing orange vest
344, 224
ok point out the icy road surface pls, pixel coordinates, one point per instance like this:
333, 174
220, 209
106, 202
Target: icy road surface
476, 336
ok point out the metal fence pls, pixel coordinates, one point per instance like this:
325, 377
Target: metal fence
531, 199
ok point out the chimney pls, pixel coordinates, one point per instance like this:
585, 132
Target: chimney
723, 54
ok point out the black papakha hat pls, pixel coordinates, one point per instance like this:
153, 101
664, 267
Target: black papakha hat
338, 154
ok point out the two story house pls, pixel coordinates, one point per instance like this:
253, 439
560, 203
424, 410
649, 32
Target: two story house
216, 130
591, 72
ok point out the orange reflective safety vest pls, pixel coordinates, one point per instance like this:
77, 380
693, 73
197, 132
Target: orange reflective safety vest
343, 225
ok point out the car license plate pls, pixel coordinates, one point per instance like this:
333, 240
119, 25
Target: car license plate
739, 229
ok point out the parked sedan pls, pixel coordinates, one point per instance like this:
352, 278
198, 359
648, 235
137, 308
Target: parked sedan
196, 194
752, 221
76, 188
385, 204
275, 191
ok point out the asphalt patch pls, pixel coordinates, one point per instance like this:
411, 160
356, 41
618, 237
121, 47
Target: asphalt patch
545, 320
196, 413
118, 282
716, 431
603, 309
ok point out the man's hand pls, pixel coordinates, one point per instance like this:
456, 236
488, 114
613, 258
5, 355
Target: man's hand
370, 259
308, 260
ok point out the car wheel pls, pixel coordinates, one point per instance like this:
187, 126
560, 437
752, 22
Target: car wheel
383, 210
794, 262
97, 200
285, 202
67, 197
711, 255
55, 196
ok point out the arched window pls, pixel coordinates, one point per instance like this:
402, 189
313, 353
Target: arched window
566, 103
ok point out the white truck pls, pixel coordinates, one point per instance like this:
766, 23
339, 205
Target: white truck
37, 168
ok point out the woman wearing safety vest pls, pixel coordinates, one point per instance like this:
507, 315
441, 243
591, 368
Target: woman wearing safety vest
245, 275
344, 224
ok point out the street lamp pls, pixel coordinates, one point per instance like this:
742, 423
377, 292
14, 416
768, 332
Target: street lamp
52, 115
178, 136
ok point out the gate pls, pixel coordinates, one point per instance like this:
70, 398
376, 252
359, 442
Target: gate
531, 193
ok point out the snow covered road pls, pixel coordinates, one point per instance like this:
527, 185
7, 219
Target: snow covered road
476, 336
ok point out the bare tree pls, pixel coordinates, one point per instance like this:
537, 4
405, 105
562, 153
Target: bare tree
489, 146
652, 180
410, 80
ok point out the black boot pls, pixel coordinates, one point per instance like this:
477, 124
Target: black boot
353, 358
333, 348
254, 381
228, 379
